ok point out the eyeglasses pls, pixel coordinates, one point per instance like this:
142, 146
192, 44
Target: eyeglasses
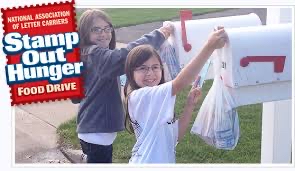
99, 30
145, 69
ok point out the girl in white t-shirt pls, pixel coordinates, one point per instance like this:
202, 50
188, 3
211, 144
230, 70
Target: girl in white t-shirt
150, 101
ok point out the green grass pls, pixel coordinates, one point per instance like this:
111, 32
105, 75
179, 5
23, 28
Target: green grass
67, 134
122, 17
191, 149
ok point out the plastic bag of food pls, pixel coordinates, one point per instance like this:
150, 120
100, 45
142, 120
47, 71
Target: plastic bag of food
217, 122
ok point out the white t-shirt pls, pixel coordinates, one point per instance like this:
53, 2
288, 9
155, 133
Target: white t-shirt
152, 109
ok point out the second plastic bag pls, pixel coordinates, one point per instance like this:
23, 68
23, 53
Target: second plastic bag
169, 58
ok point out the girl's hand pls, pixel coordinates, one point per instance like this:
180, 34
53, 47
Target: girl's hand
167, 29
194, 95
218, 38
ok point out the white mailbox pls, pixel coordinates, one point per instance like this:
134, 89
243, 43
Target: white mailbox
191, 35
257, 55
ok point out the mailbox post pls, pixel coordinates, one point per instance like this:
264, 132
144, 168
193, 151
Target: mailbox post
276, 140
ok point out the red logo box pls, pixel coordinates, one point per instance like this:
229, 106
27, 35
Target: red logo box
35, 22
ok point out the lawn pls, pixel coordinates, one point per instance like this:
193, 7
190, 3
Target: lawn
191, 149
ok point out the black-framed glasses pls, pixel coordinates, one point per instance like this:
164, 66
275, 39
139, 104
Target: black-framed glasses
145, 69
99, 30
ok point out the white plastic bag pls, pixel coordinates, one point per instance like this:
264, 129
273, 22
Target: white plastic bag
217, 122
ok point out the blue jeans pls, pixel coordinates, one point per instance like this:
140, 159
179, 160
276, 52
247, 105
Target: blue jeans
97, 153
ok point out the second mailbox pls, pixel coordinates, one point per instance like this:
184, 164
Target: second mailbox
257, 55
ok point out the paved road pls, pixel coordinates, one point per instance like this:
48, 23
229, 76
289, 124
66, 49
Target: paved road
127, 34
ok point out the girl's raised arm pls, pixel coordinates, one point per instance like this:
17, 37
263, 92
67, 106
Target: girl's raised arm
111, 62
186, 76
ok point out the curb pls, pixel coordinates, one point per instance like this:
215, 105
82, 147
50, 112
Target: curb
74, 156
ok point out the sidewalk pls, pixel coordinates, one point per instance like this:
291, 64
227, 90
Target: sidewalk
35, 131
36, 124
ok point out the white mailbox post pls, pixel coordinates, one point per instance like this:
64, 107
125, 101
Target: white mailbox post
276, 145
257, 68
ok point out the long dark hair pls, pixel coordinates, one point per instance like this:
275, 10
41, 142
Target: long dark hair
136, 57
85, 23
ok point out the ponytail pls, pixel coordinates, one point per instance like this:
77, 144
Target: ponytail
128, 121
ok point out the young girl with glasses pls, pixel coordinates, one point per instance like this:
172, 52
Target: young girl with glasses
101, 114
150, 102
